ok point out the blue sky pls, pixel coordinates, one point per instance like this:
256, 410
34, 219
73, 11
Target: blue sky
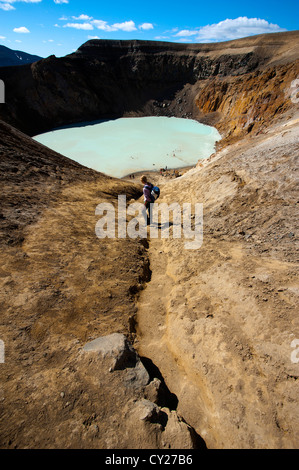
59, 27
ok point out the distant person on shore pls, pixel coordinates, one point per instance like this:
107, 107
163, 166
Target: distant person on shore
147, 189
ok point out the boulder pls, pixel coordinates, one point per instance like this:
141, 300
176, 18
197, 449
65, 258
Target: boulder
117, 347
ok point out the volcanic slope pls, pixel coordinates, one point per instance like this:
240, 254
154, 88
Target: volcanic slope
62, 287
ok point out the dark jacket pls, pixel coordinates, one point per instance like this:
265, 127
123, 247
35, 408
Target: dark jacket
147, 189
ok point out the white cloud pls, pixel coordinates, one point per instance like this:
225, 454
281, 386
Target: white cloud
22, 30
2, 37
173, 30
85, 26
58, 2
234, 29
229, 29
103, 25
23, 1
125, 26
6, 6
90, 23
186, 32
146, 26
82, 17
93, 37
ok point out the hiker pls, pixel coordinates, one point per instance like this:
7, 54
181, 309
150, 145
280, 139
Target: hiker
151, 193
148, 199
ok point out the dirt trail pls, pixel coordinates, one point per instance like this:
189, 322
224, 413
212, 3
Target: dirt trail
152, 310
154, 340
153, 329
154, 301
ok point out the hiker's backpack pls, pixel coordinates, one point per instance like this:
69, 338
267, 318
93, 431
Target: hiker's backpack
155, 193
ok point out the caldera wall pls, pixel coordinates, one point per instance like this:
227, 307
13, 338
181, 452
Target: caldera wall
229, 85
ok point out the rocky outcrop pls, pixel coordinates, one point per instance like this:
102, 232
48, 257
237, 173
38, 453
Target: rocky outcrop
147, 421
244, 105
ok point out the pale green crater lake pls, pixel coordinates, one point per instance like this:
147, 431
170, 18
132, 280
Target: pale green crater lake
127, 145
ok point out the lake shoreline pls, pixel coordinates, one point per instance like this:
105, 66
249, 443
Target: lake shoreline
166, 173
